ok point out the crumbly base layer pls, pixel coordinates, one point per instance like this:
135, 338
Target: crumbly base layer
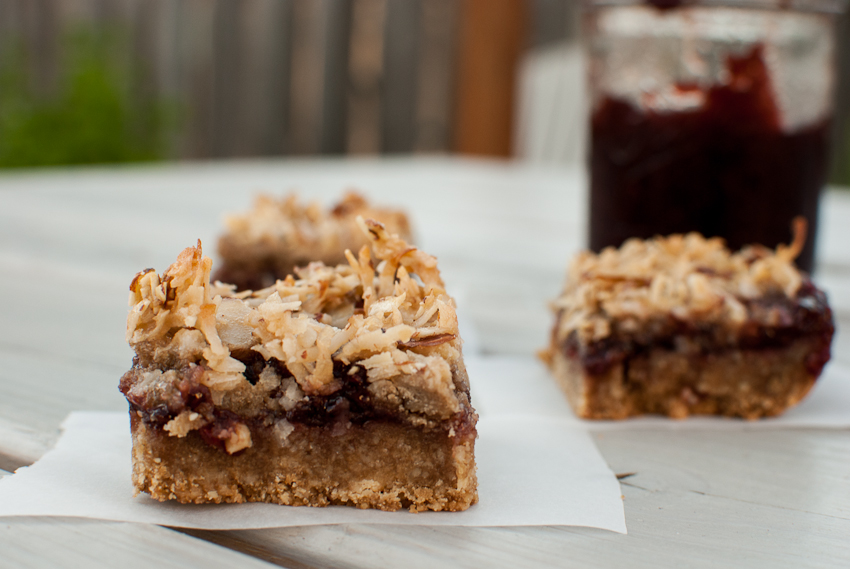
732, 383
380, 465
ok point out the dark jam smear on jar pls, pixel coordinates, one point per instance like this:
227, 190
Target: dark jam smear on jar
725, 169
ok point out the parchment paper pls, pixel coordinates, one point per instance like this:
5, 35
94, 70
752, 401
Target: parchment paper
522, 386
537, 465
531, 471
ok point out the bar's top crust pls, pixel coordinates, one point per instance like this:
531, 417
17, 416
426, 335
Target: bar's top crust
389, 314
685, 277
318, 234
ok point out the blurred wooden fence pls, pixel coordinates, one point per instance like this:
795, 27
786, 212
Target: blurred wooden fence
272, 77
298, 77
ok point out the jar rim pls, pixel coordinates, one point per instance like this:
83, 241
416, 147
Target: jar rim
823, 6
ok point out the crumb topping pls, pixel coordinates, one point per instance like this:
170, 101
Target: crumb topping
686, 277
388, 313
290, 219
289, 223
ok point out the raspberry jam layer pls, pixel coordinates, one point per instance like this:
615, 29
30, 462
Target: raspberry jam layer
807, 316
350, 405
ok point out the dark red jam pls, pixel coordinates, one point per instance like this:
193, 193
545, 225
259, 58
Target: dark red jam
664, 4
806, 316
724, 169
351, 403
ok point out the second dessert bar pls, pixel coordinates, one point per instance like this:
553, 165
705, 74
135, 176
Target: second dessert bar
680, 326
277, 235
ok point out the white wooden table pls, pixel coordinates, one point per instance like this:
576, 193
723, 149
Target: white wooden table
71, 241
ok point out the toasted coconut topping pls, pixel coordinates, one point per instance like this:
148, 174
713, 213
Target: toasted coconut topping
181, 299
391, 313
308, 227
687, 277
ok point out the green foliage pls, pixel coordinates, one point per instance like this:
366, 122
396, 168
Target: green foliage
92, 116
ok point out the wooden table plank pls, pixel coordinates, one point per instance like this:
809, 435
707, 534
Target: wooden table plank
68, 542
71, 241
698, 499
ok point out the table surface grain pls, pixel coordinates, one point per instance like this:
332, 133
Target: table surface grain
71, 241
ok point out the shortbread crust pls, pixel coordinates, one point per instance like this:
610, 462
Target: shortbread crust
344, 386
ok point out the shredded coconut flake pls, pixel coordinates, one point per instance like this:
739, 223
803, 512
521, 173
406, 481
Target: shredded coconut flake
182, 424
288, 228
387, 311
686, 276
240, 439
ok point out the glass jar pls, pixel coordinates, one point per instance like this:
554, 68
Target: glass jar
709, 116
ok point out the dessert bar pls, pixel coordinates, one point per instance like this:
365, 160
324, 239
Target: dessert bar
680, 326
270, 240
337, 385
